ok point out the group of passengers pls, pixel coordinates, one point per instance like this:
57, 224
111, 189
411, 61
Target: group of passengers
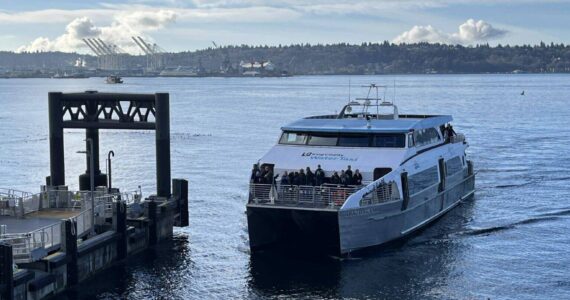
262, 175
448, 132
307, 177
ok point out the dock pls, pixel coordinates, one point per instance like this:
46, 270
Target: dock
57, 238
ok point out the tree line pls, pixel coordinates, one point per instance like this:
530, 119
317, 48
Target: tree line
342, 58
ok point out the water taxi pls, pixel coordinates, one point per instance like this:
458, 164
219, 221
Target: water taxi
114, 79
372, 176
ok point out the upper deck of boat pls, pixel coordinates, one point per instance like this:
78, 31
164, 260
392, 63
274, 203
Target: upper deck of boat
360, 123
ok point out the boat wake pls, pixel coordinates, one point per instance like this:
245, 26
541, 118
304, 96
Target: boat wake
504, 186
538, 219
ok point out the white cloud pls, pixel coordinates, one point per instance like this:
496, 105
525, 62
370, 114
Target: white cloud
469, 32
119, 32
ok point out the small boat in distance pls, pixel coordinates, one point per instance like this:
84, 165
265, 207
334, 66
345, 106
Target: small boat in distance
113, 79
361, 178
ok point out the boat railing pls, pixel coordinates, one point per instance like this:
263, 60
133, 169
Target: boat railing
382, 190
457, 138
300, 195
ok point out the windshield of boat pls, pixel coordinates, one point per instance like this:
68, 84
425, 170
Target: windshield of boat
381, 140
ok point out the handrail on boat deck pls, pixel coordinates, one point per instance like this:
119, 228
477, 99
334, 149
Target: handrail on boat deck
384, 189
300, 195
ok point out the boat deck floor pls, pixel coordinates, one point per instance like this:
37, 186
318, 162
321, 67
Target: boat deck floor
36, 220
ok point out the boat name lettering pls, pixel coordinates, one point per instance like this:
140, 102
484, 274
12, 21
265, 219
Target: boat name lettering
328, 156
360, 211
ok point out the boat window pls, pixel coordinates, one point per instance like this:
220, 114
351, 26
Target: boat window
426, 136
453, 166
384, 140
422, 180
322, 139
293, 138
354, 140
389, 140
380, 172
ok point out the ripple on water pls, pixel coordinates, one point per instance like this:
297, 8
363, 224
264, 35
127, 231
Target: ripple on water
510, 242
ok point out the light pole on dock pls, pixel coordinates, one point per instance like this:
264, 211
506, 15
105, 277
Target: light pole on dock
89, 153
109, 155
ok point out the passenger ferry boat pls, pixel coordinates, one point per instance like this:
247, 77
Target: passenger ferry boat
414, 169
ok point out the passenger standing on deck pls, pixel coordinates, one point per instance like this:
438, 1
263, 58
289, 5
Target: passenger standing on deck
255, 174
357, 178
262, 175
343, 178
291, 178
310, 177
285, 178
268, 177
450, 131
296, 179
319, 176
348, 175
335, 179
302, 177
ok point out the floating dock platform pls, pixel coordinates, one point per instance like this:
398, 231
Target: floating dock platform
55, 239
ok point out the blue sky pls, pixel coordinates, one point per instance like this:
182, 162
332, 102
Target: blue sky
188, 25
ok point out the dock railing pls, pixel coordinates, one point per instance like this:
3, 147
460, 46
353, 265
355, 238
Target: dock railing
33, 245
300, 195
10, 199
19, 203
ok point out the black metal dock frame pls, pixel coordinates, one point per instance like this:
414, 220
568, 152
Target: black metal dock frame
93, 111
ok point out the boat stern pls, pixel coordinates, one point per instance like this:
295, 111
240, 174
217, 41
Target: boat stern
293, 228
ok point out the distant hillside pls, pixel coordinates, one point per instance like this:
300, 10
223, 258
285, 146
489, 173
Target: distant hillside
367, 58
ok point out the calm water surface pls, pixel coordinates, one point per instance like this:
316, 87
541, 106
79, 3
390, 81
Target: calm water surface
510, 242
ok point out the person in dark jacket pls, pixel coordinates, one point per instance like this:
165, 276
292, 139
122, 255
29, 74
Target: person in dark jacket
262, 175
450, 131
255, 174
348, 173
302, 177
296, 179
335, 179
310, 177
291, 178
343, 178
268, 176
285, 178
357, 178
319, 176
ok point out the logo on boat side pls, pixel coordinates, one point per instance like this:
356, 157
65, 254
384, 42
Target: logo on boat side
328, 156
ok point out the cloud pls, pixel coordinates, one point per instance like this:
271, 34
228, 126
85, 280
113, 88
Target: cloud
119, 32
469, 32
147, 20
